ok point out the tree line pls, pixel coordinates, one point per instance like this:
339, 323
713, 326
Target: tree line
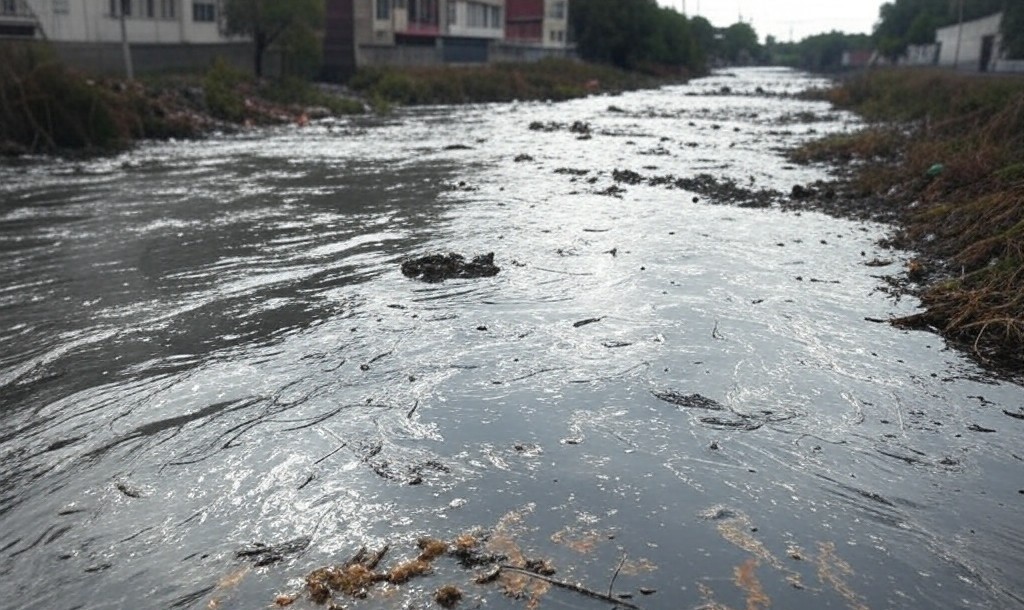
911, 22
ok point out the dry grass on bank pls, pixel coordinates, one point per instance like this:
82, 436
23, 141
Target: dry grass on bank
947, 150
550, 79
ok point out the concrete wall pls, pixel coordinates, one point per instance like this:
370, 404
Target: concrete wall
1009, 66
512, 52
970, 42
388, 55
921, 55
107, 59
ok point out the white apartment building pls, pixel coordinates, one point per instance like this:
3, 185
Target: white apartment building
164, 34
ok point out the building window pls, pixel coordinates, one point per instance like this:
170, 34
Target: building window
204, 11
453, 12
168, 9
475, 16
61, 7
557, 9
116, 6
383, 10
149, 9
8, 7
483, 15
423, 11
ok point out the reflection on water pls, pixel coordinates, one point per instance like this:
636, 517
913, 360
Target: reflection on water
210, 344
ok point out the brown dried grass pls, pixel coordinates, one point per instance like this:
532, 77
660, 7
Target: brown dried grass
969, 218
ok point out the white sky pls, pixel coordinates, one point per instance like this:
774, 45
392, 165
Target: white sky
783, 18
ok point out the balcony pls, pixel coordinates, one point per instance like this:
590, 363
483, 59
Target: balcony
422, 18
16, 20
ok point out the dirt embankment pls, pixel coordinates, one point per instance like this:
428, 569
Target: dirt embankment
48, 108
943, 158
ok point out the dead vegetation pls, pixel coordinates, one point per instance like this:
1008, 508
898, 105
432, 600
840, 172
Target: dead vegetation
491, 558
944, 152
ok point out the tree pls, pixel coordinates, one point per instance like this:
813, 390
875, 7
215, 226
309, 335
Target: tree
270, 21
634, 34
704, 36
1013, 29
739, 43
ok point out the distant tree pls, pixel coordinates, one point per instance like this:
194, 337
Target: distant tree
633, 34
704, 36
269, 21
739, 43
1013, 29
897, 19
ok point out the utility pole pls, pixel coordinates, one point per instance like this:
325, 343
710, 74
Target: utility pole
959, 37
129, 72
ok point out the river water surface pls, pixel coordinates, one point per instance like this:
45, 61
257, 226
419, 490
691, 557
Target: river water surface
209, 344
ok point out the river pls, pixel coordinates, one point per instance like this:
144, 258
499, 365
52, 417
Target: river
204, 345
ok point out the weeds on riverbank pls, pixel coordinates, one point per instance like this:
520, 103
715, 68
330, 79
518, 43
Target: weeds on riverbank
48, 108
947, 151
551, 79
45, 107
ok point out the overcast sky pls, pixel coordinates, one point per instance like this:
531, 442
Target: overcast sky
783, 18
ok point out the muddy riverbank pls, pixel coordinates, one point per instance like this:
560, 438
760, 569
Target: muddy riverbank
217, 385
48, 108
941, 160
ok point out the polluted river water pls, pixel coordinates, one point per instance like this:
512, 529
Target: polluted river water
205, 346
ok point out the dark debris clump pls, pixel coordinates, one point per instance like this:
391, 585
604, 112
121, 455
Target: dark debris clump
440, 267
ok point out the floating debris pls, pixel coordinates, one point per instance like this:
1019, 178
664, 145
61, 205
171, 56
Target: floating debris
436, 268
448, 596
689, 401
507, 566
745, 577
128, 490
263, 555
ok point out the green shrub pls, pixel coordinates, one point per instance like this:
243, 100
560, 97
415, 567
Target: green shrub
44, 107
220, 88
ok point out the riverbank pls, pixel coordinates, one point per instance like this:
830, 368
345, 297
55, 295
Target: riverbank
942, 158
46, 108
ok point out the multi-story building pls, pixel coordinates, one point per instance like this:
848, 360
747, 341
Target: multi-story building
163, 34
430, 32
539, 22
16, 20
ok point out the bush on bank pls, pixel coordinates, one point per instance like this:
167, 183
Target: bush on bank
947, 150
550, 79
45, 107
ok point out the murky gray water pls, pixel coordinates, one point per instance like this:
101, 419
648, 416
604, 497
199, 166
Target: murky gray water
221, 329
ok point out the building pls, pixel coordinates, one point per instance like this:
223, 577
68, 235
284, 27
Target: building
921, 55
537, 22
858, 59
16, 20
975, 46
433, 32
164, 34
